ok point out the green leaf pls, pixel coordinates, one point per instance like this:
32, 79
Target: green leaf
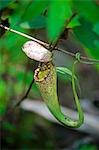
96, 28
88, 38
36, 23
74, 22
65, 73
12, 45
5, 3
59, 12
36, 8
2, 88
88, 9
19, 10
3, 97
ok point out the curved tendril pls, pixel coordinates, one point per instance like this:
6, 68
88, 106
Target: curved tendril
79, 58
80, 112
46, 79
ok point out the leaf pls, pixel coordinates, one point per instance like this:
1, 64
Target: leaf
96, 28
88, 38
19, 11
87, 9
3, 97
36, 23
74, 22
59, 12
35, 9
12, 45
65, 73
2, 88
5, 3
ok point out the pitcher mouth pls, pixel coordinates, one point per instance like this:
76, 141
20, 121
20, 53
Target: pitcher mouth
42, 72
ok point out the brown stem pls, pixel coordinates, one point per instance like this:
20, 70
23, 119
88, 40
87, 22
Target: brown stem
82, 58
22, 99
74, 55
25, 96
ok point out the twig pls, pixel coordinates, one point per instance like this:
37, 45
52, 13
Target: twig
47, 46
22, 99
25, 96
70, 19
74, 55
22, 34
10, 111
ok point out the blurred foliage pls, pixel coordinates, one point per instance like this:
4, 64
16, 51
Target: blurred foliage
16, 71
37, 23
27, 133
58, 13
54, 15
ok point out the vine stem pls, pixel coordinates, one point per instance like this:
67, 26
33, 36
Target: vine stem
11, 110
26, 94
22, 34
81, 59
80, 111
